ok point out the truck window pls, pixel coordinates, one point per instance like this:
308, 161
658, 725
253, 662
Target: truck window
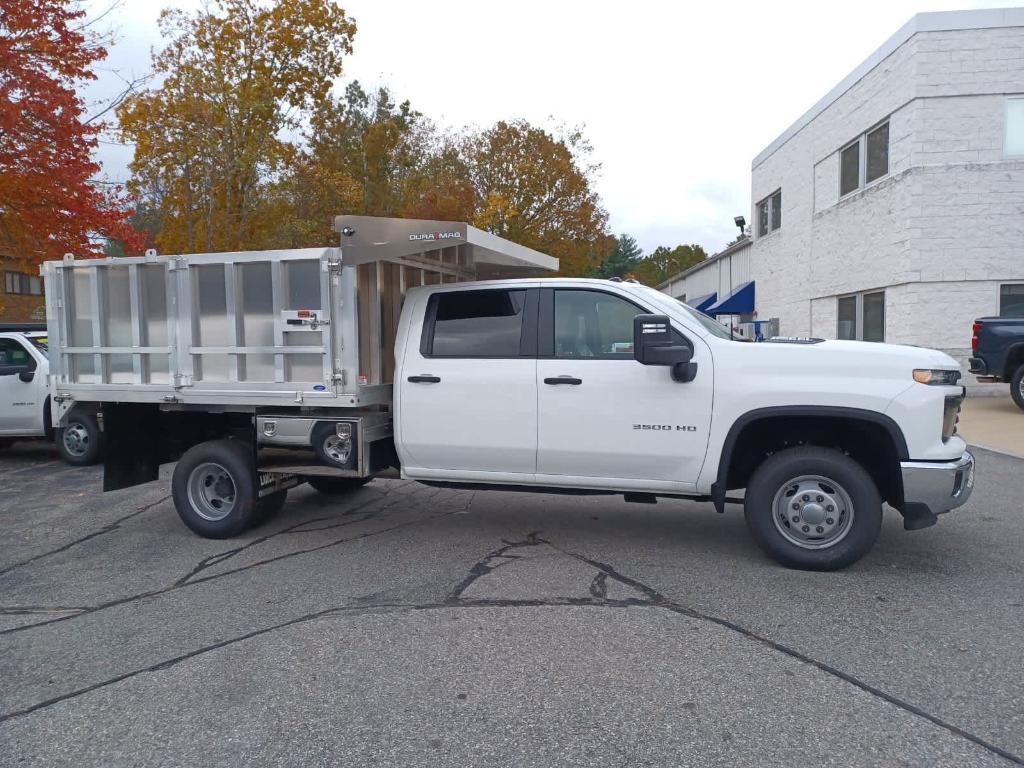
478, 323
593, 324
13, 353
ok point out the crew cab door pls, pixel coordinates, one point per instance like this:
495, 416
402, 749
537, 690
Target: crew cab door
601, 414
21, 402
468, 385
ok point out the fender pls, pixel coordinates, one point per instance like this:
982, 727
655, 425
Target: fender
718, 488
1015, 350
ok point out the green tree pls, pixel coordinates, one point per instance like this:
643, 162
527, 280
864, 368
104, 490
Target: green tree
662, 263
623, 259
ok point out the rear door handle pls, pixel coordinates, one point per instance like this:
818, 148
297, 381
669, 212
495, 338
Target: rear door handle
564, 380
425, 379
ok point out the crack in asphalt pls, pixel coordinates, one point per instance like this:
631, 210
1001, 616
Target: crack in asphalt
212, 577
652, 598
113, 526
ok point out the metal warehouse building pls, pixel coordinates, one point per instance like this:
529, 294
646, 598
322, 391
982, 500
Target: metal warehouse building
893, 210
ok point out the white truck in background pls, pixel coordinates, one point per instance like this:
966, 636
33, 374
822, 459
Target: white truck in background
25, 398
257, 371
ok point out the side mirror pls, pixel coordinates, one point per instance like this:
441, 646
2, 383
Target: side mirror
27, 376
653, 344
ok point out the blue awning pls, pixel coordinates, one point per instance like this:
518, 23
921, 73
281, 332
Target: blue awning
739, 301
701, 303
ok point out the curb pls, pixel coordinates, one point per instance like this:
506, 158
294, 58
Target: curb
1001, 451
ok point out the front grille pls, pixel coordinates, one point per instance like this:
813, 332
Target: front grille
950, 416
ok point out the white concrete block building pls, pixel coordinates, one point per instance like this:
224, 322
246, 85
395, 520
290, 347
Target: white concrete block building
893, 210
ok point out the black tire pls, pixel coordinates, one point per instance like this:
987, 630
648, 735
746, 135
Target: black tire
1017, 387
268, 506
5, 443
323, 434
80, 442
336, 486
848, 490
228, 464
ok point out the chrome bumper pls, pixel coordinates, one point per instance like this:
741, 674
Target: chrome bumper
938, 485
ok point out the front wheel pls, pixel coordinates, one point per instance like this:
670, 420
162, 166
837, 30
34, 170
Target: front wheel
1017, 387
214, 488
813, 508
80, 441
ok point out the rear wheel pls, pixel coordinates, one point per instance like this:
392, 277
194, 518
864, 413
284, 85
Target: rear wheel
813, 508
1017, 387
335, 486
80, 441
214, 488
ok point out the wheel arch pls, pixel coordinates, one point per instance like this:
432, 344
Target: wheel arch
872, 438
1014, 359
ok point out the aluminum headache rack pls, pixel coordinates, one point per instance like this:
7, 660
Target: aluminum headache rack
308, 327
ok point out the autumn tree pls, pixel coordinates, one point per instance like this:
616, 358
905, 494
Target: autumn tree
236, 77
49, 203
662, 263
535, 188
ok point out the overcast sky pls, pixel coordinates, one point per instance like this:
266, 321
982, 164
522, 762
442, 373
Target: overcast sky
676, 97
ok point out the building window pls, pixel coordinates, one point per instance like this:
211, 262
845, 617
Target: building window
1011, 300
1015, 126
861, 316
769, 213
865, 160
18, 283
877, 163
849, 169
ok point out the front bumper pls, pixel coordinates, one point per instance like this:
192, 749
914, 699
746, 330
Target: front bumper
938, 485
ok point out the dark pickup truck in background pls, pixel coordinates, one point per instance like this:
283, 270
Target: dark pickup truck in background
997, 353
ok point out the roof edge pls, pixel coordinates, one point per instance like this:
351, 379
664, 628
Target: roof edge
932, 21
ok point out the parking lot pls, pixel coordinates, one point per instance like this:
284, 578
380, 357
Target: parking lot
408, 625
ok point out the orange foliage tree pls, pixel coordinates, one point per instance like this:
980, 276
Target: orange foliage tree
49, 204
238, 75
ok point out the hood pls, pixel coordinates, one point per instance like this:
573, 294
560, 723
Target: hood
900, 354
855, 359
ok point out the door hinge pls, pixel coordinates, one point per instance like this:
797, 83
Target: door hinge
338, 378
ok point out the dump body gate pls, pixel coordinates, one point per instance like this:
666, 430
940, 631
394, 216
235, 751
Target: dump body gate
258, 328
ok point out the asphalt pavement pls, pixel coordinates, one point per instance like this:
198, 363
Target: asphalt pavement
407, 625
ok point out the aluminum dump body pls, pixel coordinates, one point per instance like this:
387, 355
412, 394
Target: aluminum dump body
307, 327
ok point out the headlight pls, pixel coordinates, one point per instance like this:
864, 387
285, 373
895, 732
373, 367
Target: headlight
936, 376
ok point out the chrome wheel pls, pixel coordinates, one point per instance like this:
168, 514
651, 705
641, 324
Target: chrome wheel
812, 512
211, 491
76, 439
338, 449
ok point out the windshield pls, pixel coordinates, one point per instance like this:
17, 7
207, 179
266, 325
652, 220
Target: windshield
712, 325
715, 327
41, 343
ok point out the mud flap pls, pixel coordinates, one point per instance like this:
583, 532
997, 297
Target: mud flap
133, 441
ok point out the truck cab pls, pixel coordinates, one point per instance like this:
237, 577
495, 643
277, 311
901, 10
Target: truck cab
25, 397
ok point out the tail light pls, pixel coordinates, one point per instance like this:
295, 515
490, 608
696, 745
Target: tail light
975, 330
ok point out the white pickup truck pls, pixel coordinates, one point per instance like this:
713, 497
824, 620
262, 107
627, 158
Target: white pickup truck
258, 371
25, 398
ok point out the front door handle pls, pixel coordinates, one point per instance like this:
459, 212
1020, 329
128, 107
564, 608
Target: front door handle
425, 379
564, 380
